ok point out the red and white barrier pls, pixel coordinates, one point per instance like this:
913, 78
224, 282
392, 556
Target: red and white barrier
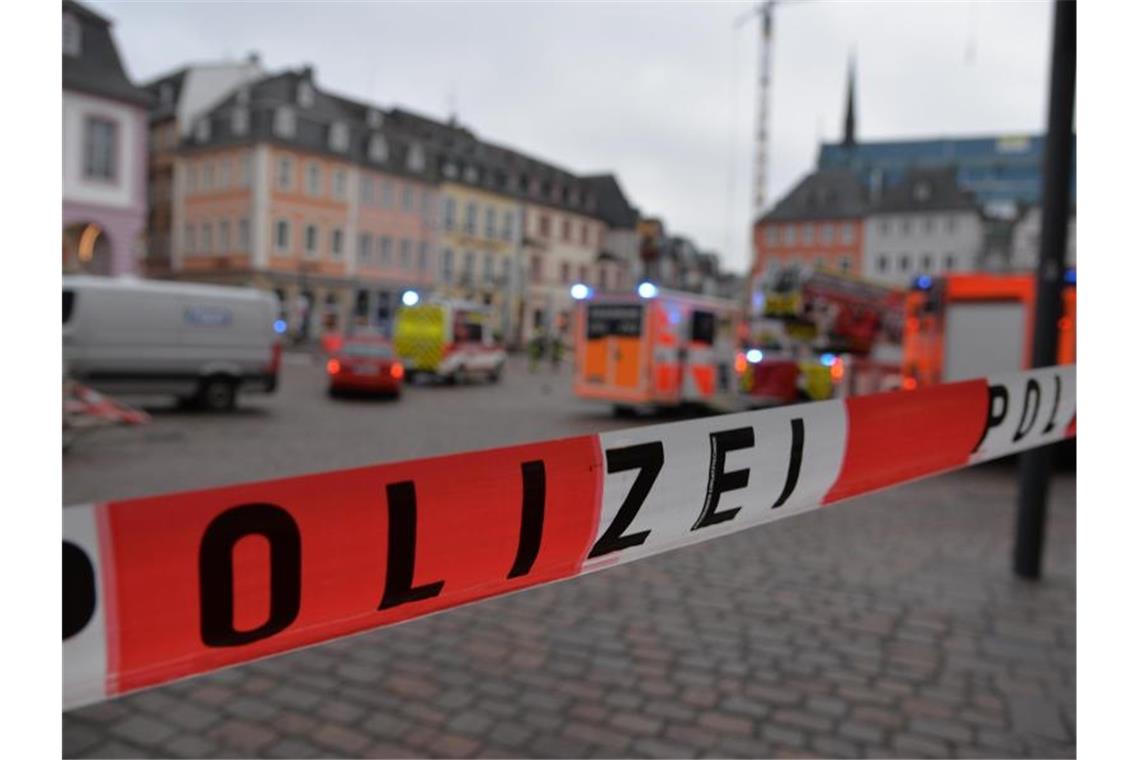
171, 586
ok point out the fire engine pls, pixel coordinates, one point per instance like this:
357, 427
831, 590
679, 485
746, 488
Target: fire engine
962, 326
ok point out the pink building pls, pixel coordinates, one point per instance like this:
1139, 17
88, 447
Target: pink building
104, 150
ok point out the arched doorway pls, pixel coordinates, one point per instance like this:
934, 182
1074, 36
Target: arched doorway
86, 249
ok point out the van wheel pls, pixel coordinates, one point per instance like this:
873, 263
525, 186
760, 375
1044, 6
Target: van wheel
621, 411
217, 394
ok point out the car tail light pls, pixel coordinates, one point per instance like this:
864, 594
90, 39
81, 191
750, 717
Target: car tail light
333, 366
397, 370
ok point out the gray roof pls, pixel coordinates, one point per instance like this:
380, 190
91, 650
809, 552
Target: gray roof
823, 194
926, 190
613, 207
97, 70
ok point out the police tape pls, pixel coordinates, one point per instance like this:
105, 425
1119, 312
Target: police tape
165, 587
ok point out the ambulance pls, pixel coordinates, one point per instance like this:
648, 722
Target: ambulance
962, 326
656, 349
448, 340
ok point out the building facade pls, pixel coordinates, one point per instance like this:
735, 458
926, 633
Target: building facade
286, 187
1025, 245
104, 151
924, 224
818, 224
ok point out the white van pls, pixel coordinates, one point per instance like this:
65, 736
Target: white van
201, 343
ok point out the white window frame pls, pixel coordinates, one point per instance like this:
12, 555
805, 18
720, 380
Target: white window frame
285, 173
224, 236
243, 234
239, 121
284, 121
283, 246
336, 243
378, 149
339, 136
366, 248
312, 241
340, 184
310, 168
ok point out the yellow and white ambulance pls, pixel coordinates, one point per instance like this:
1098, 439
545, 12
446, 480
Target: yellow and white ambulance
449, 340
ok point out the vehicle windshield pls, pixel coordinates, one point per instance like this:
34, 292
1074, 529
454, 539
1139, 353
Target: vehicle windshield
367, 350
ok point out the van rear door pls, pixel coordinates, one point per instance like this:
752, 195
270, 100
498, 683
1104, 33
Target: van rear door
615, 351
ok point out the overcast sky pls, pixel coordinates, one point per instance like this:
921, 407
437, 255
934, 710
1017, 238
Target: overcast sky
661, 94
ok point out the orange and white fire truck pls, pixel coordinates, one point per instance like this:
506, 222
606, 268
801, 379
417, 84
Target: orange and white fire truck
962, 326
656, 349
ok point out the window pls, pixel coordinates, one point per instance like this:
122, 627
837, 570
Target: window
375, 118
337, 243
449, 213
426, 203
927, 262
305, 94
224, 236
948, 263
565, 273
905, 226
72, 35
584, 274
469, 217
469, 266
385, 251
378, 149
508, 225
771, 236
243, 234
845, 264
489, 222
488, 268
884, 227
409, 198
365, 248
928, 225
544, 225
100, 148
244, 170
284, 173
239, 121
951, 223
884, 264
366, 190
448, 264
416, 160
224, 173
423, 263
284, 121
281, 236
311, 241
536, 269
506, 269
847, 233
566, 229
703, 328
389, 194
789, 235
809, 234
338, 137
405, 254
340, 184
826, 234
585, 234
904, 262
207, 238
188, 242
208, 177
313, 179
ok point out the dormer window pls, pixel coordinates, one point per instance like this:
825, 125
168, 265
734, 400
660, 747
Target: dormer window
378, 149
284, 122
375, 118
305, 94
202, 130
450, 170
338, 137
471, 175
416, 159
72, 36
239, 121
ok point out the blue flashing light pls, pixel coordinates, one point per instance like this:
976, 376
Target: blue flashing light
827, 359
579, 291
923, 282
647, 290
754, 356
410, 298
1070, 276
280, 326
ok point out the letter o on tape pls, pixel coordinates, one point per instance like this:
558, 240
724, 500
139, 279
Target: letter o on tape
78, 590
216, 572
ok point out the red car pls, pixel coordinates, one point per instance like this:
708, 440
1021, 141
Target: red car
365, 365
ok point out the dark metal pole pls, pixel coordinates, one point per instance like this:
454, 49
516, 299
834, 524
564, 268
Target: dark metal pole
1035, 465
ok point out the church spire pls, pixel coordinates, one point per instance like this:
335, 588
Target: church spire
849, 119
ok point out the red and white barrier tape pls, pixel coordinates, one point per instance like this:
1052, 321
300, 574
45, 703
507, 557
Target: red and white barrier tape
166, 587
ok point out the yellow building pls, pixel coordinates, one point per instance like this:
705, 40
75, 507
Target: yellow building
479, 250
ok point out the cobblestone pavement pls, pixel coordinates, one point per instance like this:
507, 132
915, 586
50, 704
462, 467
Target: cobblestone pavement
885, 626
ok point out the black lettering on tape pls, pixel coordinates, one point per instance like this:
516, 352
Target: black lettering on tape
1032, 389
398, 588
1056, 403
649, 458
78, 590
720, 443
795, 462
533, 511
216, 572
993, 418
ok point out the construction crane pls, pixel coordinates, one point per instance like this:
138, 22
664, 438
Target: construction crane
762, 10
